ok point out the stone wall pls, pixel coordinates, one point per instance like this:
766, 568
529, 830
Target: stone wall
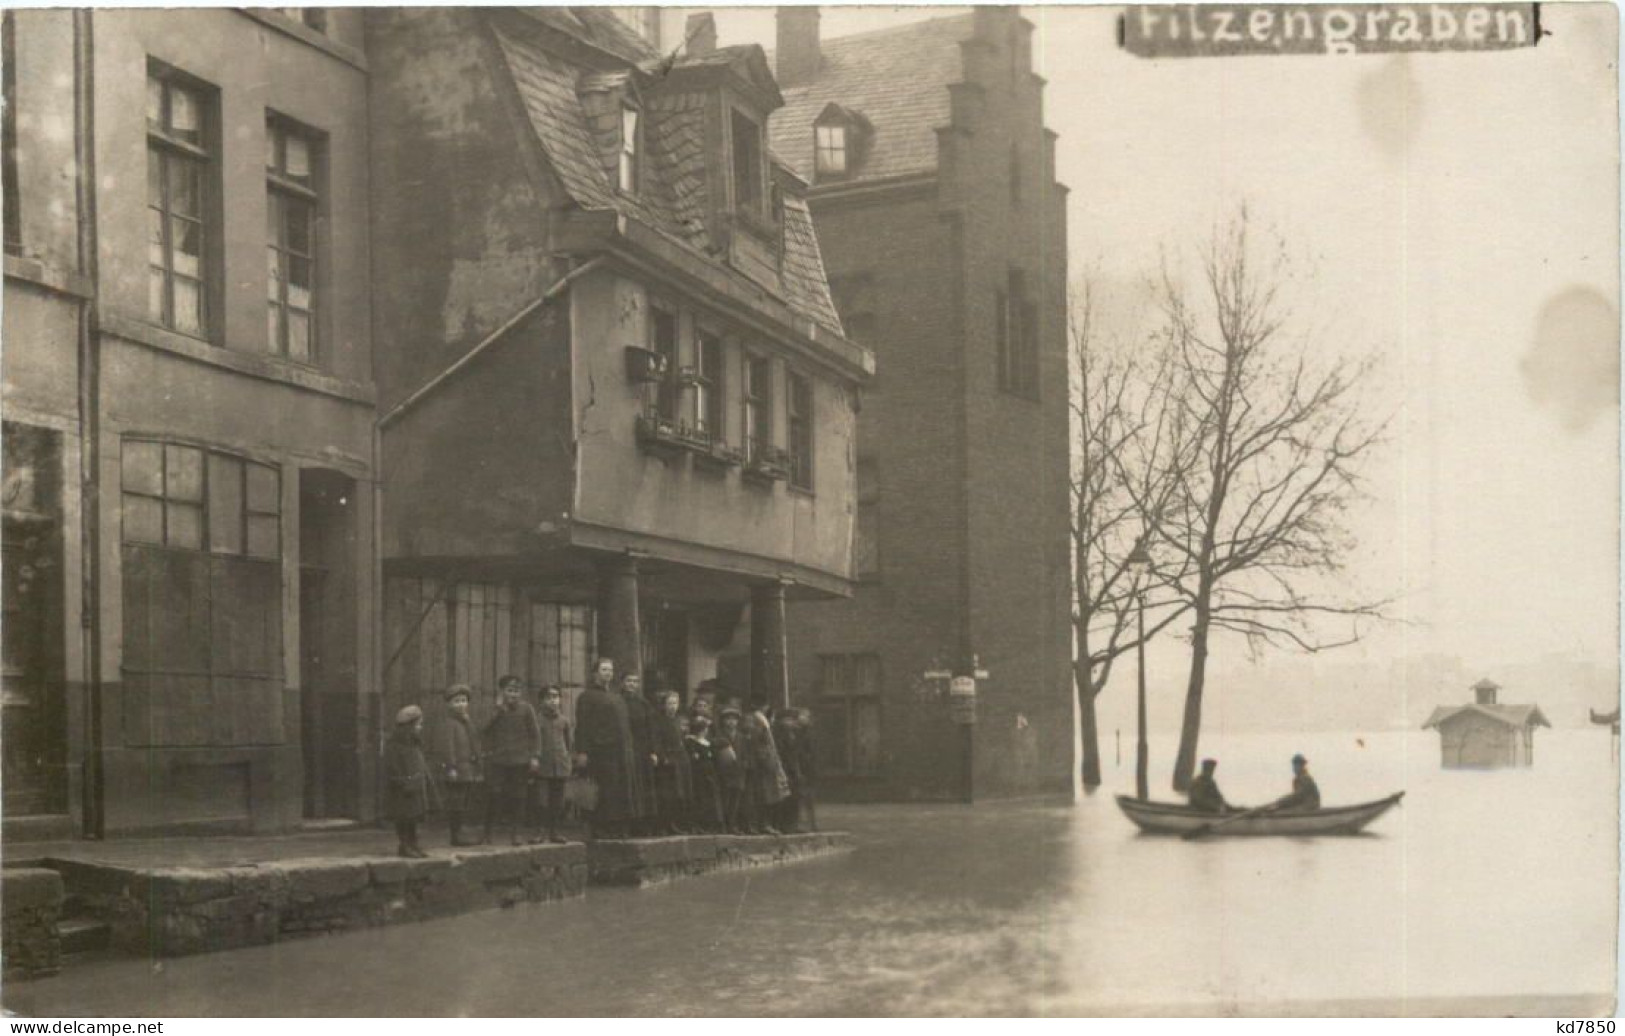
176, 911
655, 861
32, 901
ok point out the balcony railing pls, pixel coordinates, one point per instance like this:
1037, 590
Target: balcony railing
766, 462
667, 435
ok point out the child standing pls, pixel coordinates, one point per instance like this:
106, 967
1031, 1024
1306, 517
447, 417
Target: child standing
702, 762
674, 779
408, 775
730, 771
553, 762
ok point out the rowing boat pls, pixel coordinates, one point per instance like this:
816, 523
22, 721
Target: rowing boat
1168, 818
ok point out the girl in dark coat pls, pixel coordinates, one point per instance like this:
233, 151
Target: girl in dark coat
674, 777
706, 804
407, 796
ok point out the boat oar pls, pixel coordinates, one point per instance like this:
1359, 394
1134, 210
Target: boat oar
1198, 832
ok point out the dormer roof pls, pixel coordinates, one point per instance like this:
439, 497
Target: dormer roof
671, 199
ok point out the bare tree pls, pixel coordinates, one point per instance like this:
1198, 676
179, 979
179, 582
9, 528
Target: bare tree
1127, 459
1277, 444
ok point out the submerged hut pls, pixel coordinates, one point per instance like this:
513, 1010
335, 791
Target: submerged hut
1486, 734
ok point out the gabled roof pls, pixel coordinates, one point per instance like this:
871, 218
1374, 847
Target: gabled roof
1512, 715
897, 79
671, 198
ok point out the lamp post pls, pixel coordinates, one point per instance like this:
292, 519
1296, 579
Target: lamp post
1139, 563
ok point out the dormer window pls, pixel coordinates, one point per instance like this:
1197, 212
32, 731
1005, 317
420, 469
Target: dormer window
829, 151
627, 167
747, 163
840, 136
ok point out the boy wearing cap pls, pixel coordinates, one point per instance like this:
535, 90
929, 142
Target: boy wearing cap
408, 774
455, 749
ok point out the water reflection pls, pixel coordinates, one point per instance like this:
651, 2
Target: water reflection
1481, 885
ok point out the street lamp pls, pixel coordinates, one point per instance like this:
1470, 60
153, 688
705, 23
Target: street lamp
1139, 564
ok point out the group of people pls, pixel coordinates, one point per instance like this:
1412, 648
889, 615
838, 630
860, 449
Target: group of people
661, 769
1204, 791
652, 766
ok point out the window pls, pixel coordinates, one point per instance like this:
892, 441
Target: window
1016, 338
178, 165
310, 17
8, 133
799, 413
747, 163
628, 169
202, 596
848, 715
1015, 176
708, 399
866, 525
829, 151
290, 238
663, 394
758, 396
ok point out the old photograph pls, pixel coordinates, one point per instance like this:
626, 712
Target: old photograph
808, 511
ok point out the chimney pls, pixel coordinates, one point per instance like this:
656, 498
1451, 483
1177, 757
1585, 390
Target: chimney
797, 50
1486, 690
700, 34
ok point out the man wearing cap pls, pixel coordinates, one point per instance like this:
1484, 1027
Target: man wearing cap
407, 797
603, 743
455, 749
1305, 793
1204, 791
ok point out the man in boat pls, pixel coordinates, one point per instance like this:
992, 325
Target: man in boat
1204, 791
1305, 795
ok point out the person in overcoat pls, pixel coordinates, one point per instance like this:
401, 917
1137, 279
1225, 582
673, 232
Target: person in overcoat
807, 768
674, 777
640, 718
454, 750
786, 734
406, 798
553, 762
603, 744
513, 745
728, 748
706, 805
767, 784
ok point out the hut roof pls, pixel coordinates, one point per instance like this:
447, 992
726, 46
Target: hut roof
1511, 715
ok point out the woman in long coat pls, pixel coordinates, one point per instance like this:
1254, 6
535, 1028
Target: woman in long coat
768, 785
603, 742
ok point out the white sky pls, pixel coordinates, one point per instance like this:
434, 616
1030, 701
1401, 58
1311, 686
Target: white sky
1442, 201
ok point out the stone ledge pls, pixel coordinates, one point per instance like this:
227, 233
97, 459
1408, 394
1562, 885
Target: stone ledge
168, 912
641, 862
32, 906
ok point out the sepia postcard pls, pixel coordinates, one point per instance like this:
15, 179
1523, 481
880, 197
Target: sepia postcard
808, 511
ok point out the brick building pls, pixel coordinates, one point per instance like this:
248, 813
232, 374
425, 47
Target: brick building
613, 400
188, 407
944, 233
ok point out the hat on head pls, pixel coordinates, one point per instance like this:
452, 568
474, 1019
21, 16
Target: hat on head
1298, 760
410, 714
730, 710
1208, 764
459, 688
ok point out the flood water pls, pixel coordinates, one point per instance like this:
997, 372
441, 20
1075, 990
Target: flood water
1483, 890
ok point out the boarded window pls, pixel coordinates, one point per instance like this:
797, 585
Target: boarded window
202, 657
849, 714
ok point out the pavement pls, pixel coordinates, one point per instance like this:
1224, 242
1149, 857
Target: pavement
228, 850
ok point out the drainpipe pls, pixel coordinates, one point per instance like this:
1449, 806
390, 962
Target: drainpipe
89, 401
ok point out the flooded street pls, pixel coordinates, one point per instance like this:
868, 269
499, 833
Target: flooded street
1482, 885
